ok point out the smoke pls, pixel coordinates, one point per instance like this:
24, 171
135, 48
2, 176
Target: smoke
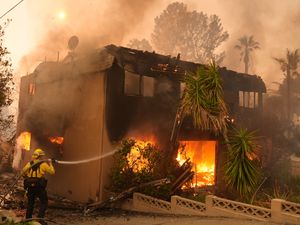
18, 152
96, 23
274, 24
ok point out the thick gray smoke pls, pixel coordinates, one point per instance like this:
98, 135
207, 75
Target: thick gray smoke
96, 23
274, 24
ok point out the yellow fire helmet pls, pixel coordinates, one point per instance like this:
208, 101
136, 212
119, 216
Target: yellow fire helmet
38, 153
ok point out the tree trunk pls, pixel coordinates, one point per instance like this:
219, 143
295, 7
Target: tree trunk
288, 94
246, 61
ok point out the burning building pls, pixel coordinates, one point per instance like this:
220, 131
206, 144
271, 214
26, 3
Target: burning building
80, 107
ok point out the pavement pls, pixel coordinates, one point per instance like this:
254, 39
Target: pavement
115, 217
134, 218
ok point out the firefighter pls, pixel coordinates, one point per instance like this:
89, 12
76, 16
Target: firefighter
35, 182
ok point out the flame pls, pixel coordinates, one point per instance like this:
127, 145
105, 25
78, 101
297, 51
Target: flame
202, 155
135, 160
25, 140
56, 140
146, 139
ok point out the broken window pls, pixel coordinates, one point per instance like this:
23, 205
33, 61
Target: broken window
256, 100
251, 99
241, 98
248, 99
148, 86
202, 154
132, 84
24, 140
137, 85
31, 88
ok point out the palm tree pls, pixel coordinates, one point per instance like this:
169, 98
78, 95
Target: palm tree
241, 173
203, 99
246, 46
289, 67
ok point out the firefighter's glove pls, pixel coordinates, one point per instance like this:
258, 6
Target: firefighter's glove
53, 160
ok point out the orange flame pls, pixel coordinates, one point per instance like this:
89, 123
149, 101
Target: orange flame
202, 155
135, 160
56, 140
25, 139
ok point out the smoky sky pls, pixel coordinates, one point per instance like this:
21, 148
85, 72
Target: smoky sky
273, 23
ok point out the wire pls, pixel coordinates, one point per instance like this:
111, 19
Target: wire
11, 9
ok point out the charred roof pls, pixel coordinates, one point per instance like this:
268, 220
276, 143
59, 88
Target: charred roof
146, 63
153, 64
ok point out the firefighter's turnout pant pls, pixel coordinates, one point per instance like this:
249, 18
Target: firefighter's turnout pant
33, 193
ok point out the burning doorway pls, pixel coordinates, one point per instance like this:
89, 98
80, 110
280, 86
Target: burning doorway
202, 154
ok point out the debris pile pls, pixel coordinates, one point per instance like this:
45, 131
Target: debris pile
5, 156
12, 195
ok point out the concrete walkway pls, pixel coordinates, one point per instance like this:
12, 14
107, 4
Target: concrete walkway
129, 218
150, 220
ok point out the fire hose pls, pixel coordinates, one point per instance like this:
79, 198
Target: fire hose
3, 197
85, 160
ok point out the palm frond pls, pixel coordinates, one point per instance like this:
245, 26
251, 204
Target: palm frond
240, 171
290, 62
238, 47
203, 99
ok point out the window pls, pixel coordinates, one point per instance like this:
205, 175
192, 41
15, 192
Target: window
132, 83
137, 85
241, 98
31, 88
148, 86
256, 100
248, 99
251, 99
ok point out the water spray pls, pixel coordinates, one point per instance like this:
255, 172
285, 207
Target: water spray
85, 160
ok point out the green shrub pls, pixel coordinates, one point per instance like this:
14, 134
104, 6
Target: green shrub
12, 222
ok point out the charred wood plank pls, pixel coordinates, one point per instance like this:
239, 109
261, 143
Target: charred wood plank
185, 179
187, 168
125, 194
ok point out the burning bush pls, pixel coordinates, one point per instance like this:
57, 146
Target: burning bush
136, 162
139, 162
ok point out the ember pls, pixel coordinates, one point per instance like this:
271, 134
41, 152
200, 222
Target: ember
56, 140
202, 155
25, 139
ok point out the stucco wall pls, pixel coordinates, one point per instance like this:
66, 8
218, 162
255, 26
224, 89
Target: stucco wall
84, 138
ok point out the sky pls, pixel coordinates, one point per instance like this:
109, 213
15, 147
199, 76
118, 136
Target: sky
41, 29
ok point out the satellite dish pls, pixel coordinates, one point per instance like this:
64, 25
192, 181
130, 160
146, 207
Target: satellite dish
73, 42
